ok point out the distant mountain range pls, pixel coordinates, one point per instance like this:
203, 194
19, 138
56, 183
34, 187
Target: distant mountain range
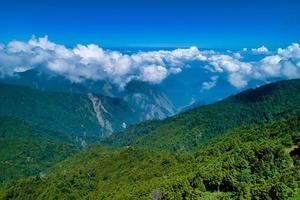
177, 93
145, 98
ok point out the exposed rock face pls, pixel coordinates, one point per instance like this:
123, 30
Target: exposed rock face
111, 106
152, 106
101, 111
148, 100
164, 103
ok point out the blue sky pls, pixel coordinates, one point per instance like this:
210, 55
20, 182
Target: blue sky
218, 24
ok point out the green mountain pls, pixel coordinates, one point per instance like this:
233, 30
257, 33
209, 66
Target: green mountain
145, 99
250, 162
246, 146
28, 150
188, 130
83, 116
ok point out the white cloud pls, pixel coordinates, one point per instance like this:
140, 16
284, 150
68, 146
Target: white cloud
260, 50
237, 80
17, 47
43, 43
237, 55
290, 70
95, 63
207, 85
153, 73
292, 51
21, 69
270, 66
174, 70
284, 64
89, 52
226, 63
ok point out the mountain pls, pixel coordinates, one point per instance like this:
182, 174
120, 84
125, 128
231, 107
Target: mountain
86, 117
28, 150
189, 129
43, 81
148, 100
250, 162
184, 88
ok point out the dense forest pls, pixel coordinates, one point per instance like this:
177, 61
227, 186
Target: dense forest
28, 150
250, 162
72, 113
246, 146
149, 100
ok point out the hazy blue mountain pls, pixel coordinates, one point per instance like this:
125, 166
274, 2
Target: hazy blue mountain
185, 88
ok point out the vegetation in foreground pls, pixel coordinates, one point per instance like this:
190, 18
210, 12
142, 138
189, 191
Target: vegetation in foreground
250, 162
27, 150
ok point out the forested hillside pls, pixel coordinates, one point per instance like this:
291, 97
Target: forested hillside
243, 147
147, 99
250, 162
85, 117
28, 150
187, 130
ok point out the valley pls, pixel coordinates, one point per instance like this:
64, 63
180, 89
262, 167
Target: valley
243, 147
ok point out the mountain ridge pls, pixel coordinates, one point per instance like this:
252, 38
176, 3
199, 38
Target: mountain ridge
187, 130
72, 113
151, 99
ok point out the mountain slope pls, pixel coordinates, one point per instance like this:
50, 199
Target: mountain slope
251, 162
83, 116
42, 81
187, 130
149, 101
27, 150
146, 99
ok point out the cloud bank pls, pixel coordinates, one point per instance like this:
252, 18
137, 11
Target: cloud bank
91, 62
